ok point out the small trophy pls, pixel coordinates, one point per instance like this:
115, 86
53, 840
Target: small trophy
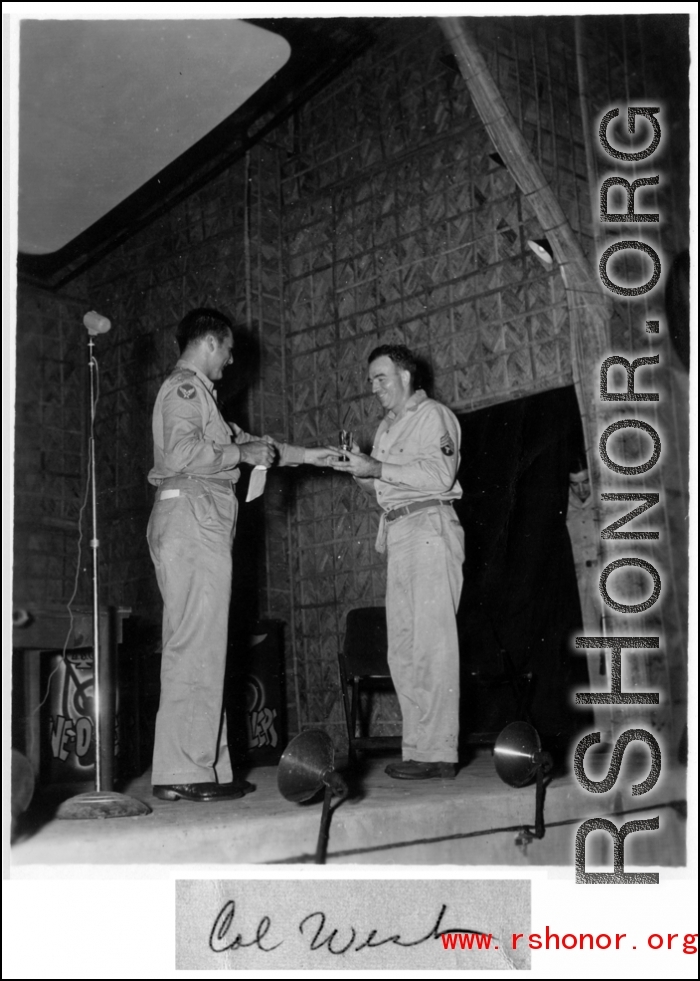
345, 441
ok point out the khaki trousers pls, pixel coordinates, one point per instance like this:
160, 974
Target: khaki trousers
424, 582
190, 534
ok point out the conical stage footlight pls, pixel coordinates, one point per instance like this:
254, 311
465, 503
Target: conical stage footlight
518, 754
519, 760
305, 767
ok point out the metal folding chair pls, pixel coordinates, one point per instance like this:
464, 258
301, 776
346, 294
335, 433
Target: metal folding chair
363, 665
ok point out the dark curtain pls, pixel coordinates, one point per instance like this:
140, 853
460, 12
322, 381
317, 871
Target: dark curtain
520, 605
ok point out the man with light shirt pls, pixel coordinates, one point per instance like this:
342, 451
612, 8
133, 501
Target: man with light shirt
197, 455
412, 471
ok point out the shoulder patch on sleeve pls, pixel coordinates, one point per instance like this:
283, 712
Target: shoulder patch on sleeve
447, 444
187, 391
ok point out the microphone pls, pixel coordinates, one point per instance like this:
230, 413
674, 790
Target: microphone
20, 617
96, 323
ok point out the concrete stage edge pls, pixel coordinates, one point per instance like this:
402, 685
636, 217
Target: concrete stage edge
473, 820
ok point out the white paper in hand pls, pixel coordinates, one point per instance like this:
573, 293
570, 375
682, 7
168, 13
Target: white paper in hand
257, 483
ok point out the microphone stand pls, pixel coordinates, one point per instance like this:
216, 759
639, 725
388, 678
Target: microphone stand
98, 803
94, 545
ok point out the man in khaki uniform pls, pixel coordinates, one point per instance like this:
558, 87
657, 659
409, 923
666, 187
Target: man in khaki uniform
190, 534
412, 470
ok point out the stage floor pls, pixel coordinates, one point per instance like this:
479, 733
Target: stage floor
475, 819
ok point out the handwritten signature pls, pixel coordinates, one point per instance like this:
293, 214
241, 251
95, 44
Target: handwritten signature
313, 928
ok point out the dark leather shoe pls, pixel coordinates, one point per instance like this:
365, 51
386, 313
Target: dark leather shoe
202, 793
413, 770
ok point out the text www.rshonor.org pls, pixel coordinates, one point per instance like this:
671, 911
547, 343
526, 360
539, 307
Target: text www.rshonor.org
571, 941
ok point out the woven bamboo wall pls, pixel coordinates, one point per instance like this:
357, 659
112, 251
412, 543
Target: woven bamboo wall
400, 226
220, 248
50, 451
386, 216
377, 214
533, 62
596, 64
193, 256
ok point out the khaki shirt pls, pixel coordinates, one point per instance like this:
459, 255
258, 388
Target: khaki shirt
190, 436
419, 453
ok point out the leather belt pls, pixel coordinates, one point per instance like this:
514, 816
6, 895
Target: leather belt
195, 476
418, 506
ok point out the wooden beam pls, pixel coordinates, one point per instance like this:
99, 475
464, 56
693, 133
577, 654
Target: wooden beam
590, 309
